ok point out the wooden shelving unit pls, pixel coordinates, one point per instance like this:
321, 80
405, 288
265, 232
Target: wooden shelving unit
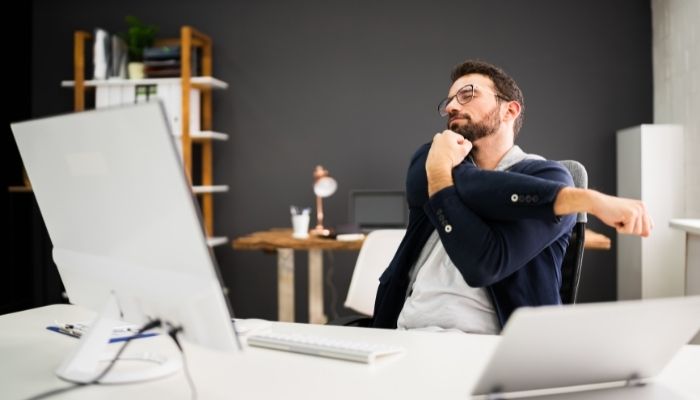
199, 87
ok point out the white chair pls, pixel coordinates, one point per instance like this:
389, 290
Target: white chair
375, 255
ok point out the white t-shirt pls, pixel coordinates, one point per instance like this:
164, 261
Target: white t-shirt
440, 299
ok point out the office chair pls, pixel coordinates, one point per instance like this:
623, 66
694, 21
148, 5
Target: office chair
375, 255
573, 258
379, 248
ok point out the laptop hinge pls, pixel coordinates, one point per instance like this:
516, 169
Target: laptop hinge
495, 394
634, 380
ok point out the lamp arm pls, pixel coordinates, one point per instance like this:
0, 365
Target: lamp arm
319, 214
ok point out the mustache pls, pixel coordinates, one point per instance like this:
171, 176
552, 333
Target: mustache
455, 116
450, 120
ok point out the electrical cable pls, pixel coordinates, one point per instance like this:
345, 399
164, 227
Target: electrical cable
173, 332
148, 326
332, 289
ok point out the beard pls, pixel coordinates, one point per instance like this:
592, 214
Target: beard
473, 131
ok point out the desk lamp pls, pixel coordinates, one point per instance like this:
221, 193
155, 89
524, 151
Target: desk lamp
324, 186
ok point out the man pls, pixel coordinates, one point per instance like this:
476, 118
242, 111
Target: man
489, 224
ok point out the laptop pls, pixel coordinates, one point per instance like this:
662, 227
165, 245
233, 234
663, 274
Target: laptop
378, 209
628, 342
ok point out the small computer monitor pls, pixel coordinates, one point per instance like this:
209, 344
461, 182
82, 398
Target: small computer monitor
123, 220
378, 209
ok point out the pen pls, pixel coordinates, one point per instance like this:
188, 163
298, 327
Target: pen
69, 331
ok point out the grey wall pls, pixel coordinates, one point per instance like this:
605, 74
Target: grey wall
354, 86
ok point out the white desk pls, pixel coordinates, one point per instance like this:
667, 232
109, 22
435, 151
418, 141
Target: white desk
435, 366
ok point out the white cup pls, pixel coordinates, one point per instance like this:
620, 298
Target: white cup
300, 223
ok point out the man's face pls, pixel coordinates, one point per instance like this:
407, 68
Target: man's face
481, 116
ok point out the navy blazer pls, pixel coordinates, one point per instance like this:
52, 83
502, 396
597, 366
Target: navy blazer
497, 227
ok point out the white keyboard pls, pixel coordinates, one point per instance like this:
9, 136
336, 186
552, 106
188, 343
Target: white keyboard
322, 346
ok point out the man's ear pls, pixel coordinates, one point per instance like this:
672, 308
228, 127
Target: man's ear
512, 111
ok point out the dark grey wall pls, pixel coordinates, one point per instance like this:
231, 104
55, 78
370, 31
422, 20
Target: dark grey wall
354, 86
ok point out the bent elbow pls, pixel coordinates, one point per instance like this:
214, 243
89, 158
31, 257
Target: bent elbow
477, 281
476, 277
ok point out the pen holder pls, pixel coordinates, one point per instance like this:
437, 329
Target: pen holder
300, 225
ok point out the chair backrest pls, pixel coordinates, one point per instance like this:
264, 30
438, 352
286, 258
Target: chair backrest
375, 255
573, 259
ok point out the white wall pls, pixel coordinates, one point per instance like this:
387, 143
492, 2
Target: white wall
676, 49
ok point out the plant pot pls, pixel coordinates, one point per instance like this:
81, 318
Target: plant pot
136, 70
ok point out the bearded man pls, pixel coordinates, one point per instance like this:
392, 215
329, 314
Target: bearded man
488, 223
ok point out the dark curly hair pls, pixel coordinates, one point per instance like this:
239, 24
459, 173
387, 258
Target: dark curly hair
505, 85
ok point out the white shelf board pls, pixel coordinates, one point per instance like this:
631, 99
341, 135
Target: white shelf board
210, 189
197, 80
206, 135
686, 224
217, 241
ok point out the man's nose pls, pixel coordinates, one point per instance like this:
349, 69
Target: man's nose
452, 106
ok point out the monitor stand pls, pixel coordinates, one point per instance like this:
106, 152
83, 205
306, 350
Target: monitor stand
87, 361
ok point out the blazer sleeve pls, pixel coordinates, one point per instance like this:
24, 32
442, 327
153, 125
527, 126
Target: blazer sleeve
486, 234
509, 196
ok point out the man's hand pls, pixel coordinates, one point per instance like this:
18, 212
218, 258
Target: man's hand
626, 215
447, 151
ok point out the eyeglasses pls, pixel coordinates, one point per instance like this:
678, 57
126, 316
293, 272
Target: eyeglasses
464, 96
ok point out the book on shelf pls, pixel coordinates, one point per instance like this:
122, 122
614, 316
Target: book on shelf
174, 62
118, 58
101, 54
110, 56
170, 55
161, 53
162, 73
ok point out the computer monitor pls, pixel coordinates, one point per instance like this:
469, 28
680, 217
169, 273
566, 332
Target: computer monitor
378, 209
127, 234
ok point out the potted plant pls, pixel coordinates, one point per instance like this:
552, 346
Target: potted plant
137, 37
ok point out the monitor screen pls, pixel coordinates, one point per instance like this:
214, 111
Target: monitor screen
123, 220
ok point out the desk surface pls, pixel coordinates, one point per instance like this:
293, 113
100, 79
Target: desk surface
278, 238
435, 365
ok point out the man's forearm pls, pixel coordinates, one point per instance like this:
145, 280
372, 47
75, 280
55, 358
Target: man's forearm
438, 180
572, 200
625, 215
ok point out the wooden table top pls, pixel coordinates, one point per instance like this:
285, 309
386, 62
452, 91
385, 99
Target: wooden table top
596, 241
281, 238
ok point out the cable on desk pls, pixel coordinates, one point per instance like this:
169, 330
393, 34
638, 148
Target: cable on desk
332, 289
147, 327
173, 332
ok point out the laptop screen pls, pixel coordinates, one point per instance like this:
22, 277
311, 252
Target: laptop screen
585, 344
378, 209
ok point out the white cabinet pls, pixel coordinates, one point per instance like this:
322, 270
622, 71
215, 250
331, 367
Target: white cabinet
650, 168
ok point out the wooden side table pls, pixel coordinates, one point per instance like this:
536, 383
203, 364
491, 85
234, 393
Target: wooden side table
280, 241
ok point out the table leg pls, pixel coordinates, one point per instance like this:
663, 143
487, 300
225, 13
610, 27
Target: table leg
316, 315
285, 285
